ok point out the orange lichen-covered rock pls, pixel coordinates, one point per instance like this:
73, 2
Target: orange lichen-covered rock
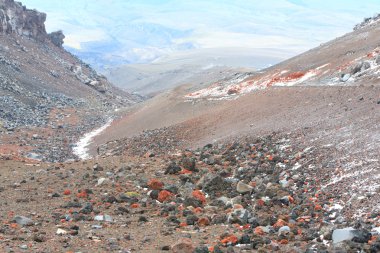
279, 223
164, 195
259, 231
199, 195
231, 239
284, 241
185, 172
66, 192
13, 225
135, 205
183, 224
155, 184
260, 202
82, 194
317, 207
203, 222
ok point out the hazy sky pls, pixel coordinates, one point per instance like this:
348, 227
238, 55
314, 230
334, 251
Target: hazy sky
142, 30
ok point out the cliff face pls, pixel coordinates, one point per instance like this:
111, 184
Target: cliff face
17, 19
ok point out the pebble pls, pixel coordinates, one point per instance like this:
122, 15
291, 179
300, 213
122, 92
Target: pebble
23, 221
106, 218
184, 245
61, 232
243, 188
344, 234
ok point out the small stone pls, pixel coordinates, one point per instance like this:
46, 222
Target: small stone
165, 248
155, 184
245, 239
143, 219
240, 216
39, 238
345, 77
61, 232
24, 247
201, 249
102, 180
191, 201
164, 195
191, 219
87, 209
97, 167
243, 188
172, 169
284, 230
344, 234
105, 217
184, 245
203, 222
23, 221
189, 164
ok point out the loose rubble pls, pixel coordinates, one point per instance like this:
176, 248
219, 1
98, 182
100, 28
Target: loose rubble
258, 194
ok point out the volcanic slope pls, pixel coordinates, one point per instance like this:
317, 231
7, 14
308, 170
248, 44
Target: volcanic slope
48, 97
328, 98
280, 169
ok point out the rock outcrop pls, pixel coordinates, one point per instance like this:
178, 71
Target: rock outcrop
17, 19
367, 21
57, 38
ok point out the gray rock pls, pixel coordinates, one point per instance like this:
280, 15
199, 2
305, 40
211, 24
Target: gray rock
377, 60
215, 184
23, 221
243, 188
172, 169
366, 65
357, 68
240, 216
190, 201
57, 38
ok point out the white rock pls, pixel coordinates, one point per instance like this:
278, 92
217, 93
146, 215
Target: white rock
105, 217
376, 230
284, 230
61, 232
340, 235
101, 180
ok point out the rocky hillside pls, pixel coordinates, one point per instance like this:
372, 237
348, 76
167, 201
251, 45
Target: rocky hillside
352, 59
45, 91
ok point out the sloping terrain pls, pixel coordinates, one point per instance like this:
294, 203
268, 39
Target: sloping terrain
199, 67
352, 59
48, 97
331, 107
228, 168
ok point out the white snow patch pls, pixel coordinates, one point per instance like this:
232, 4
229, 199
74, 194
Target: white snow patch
323, 66
81, 147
